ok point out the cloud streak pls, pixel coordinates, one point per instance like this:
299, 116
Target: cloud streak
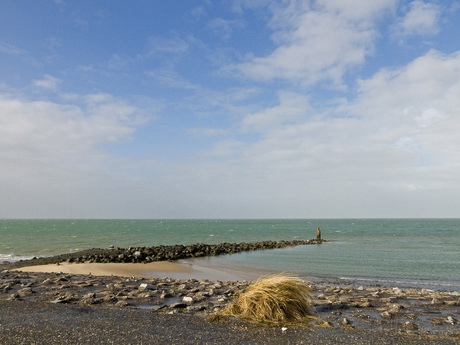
317, 43
421, 19
48, 82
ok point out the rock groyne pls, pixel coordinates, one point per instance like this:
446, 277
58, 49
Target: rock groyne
161, 253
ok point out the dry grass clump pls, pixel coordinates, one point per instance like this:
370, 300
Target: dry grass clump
278, 298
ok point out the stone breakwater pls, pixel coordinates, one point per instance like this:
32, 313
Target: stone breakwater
161, 253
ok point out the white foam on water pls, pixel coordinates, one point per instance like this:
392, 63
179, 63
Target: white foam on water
13, 258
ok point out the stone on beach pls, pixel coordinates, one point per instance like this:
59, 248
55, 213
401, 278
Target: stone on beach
146, 286
410, 310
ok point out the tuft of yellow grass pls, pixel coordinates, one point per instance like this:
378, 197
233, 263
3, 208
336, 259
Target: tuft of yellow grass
278, 298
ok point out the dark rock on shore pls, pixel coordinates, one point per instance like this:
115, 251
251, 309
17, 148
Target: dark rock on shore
153, 294
158, 253
52, 324
339, 305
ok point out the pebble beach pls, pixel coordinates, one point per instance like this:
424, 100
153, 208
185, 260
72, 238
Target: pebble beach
343, 310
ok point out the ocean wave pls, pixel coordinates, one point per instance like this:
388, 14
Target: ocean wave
13, 258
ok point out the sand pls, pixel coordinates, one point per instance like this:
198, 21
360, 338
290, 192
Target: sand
118, 269
159, 269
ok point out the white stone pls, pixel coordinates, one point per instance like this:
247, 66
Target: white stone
145, 286
451, 320
397, 291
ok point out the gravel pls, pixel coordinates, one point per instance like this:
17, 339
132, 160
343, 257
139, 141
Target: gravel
27, 322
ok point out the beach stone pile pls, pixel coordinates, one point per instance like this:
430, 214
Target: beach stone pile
334, 304
153, 294
162, 253
408, 310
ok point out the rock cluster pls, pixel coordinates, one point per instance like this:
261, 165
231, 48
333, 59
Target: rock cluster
410, 310
162, 253
335, 304
154, 294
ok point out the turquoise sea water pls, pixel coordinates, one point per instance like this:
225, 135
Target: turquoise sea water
398, 251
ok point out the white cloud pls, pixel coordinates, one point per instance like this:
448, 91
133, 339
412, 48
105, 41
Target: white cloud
389, 149
421, 19
392, 151
174, 45
418, 102
52, 156
223, 27
10, 49
48, 82
171, 78
381, 154
317, 43
357, 9
238, 6
118, 62
209, 132
198, 12
46, 129
291, 109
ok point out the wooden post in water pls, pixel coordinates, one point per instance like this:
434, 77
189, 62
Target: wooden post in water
318, 234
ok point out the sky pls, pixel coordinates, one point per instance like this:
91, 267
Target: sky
229, 109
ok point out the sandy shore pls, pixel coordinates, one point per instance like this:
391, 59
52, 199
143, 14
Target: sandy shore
98, 269
159, 269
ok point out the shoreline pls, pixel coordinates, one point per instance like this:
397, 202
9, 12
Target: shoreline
201, 257
203, 269
337, 305
342, 309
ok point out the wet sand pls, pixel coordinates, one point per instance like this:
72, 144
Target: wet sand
98, 269
160, 269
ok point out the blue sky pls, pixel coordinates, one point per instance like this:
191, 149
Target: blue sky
229, 109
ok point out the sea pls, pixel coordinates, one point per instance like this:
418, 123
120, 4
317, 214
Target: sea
421, 253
